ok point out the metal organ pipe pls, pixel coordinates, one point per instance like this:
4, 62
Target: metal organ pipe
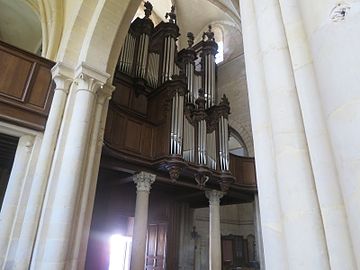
177, 124
168, 59
181, 123
224, 147
127, 54
213, 100
172, 134
153, 69
202, 142
142, 55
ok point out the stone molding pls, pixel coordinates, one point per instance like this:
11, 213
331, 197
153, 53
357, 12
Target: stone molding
62, 75
143, 181
214, 196
89, 78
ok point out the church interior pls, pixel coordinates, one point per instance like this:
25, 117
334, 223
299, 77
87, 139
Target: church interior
179, 134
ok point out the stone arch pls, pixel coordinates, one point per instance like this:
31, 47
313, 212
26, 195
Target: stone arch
95, 32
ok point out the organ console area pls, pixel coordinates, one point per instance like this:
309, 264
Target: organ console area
166, 118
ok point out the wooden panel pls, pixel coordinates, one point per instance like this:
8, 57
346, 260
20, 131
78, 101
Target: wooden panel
39, 93
146, 140
121, 95
133, 135
26, 88
139, 104
117, 125
156, 247
243, 169
15, 72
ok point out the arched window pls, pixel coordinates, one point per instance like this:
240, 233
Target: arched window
236, 144
219, 38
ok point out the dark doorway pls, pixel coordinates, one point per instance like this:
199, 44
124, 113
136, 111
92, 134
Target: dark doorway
8, 145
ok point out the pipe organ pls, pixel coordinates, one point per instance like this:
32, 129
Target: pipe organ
169, 98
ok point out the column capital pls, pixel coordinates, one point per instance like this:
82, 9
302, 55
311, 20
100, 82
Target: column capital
105, 93
62, 76
214, 196
89, 78
143, 181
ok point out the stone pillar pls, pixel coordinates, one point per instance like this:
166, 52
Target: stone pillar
61, 75
143, 181
215, 261
322, 157
332, 29
91, 175
303, 226
12, 200
269, 203
61, 214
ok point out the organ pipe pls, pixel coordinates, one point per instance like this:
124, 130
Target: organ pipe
168, 58
150, 53
177, 122
127, 54
223, 144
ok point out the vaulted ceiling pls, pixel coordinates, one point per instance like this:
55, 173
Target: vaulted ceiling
20, 25
195, 16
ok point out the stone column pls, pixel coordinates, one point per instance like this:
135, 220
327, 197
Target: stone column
61, 75
215, 262
143, 181
303, 226
91, 176
322, 157
269, 203
12, 200
332, 29
61, 214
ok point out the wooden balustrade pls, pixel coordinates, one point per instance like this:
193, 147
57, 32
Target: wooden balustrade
25, 87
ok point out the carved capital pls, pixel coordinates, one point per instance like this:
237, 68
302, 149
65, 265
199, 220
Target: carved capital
105, 93
89, 78
62, 76
214, 196
143, 181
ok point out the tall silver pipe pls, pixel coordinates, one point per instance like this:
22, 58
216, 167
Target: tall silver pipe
172, 134
181, 122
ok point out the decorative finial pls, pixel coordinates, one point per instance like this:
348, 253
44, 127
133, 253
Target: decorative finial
209, 35
148, 9
171, 15
224, 100
191, 38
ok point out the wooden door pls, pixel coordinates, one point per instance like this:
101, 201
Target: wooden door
156, 247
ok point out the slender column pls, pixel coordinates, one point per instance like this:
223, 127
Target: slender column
12, 199
299, 202
143, 182
275, 256
214, 197
53, 244
322, 158
61, 75
91, 176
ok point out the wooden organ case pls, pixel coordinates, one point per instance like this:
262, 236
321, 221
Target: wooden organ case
165, 117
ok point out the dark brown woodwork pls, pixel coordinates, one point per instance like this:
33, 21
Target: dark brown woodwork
25, 87
243, 168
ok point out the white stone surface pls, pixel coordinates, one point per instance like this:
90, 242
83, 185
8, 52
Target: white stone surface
297, 192
322, 158
215, 261
143, 181
270, 208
